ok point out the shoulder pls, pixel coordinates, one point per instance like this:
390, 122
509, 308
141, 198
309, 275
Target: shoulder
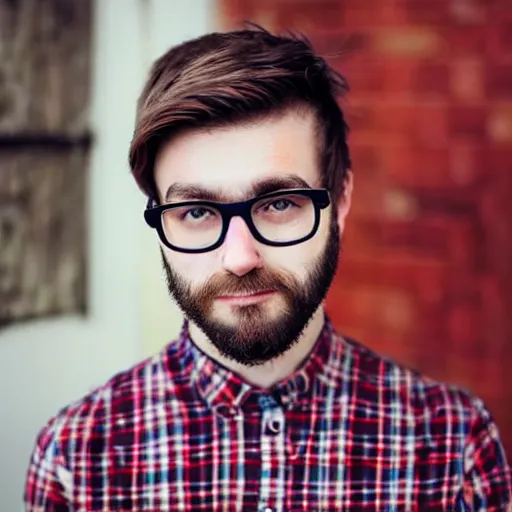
442, 419
124, 394
401, 384
82, 431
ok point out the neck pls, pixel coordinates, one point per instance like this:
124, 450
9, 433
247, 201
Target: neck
270, 373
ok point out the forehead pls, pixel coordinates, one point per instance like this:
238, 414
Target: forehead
231, 161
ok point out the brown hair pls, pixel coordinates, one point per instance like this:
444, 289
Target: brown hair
234, 77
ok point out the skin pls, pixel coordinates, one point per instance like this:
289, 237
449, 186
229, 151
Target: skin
230, 162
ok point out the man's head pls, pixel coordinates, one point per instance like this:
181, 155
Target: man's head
234, 117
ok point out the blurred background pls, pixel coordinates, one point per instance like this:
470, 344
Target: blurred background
426, 272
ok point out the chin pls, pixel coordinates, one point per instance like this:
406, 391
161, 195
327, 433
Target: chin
234, 315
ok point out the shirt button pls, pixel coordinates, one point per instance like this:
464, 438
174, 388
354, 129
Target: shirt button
273, 427
226, 411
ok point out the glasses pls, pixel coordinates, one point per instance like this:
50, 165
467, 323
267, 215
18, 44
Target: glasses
282, 218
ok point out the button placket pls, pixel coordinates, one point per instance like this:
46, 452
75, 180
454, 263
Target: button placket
273, 456
273, 426
226, 411
273, 422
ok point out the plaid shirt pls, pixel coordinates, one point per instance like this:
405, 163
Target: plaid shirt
348, 431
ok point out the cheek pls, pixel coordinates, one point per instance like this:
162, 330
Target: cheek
296, 259
310, 251
194, 268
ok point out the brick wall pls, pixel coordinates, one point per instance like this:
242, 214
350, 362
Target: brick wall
426, 275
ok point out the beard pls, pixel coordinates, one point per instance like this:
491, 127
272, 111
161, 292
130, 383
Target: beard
254, 338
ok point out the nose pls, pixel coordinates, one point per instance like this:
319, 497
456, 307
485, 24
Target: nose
240, 254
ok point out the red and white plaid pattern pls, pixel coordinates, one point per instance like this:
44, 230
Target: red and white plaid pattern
348, 431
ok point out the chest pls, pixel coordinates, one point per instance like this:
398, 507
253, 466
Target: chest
274, 460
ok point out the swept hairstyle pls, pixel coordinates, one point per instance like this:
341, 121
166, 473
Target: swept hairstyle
234, 77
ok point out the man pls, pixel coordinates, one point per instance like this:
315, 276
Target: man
241, 148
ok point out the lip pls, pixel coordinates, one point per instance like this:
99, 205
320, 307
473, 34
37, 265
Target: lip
246, 299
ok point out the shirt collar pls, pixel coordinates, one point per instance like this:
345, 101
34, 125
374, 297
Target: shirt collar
227, 394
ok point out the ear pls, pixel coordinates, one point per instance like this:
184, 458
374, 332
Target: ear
345, 200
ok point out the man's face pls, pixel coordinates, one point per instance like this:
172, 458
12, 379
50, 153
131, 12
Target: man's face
251, 300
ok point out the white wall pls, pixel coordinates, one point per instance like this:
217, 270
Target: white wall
171, 22
46, 364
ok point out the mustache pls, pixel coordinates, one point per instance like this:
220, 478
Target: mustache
257, 280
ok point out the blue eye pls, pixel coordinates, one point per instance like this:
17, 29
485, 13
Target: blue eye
196, 214
281, 205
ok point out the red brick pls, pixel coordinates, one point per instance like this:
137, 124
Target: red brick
487, 380
463, 247
494, 316
430, 129
367, 14
234, 12
438, 237
337, 46
468, 162
463, 326
367, 199
307, 15
358, 240
415, 42
396, 311
400, 205
385, 311
500, 40
371, 137
423, 125
417, 168
467, 79
434, 321
382, 309
466, 41
398, 77
460, 369
417, 238
395, 346
431, 285
393, 14
364, 75
358, 305
431, 79
499, 125
468, 12
468, 121
499, 81
494, 310
360, 117
499, 164
391, 266
499, 8
429, 12
367, 159
393, 118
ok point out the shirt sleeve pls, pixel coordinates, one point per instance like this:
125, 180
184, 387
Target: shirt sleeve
487, 475
44, 489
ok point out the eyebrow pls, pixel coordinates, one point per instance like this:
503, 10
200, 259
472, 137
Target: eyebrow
185, 192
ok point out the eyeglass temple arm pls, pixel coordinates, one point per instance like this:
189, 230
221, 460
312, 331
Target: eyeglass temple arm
151, 203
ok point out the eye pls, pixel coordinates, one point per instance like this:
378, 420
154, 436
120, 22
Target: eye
197, 214
280, 205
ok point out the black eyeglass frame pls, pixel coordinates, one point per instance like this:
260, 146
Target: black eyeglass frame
153, 216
